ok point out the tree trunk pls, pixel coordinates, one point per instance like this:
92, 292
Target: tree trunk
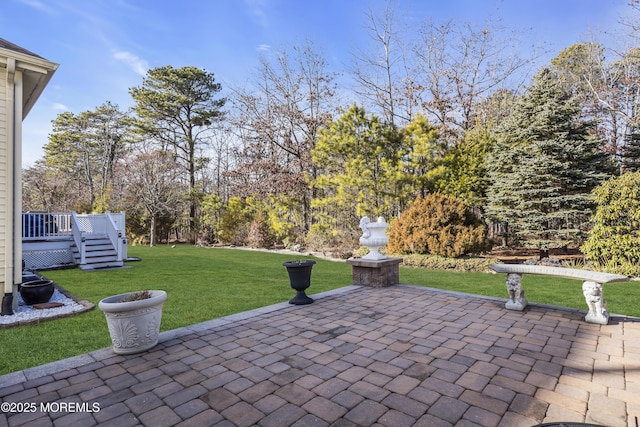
152, 231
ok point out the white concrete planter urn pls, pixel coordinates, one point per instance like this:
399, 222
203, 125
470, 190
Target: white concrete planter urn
133, 325
373, 236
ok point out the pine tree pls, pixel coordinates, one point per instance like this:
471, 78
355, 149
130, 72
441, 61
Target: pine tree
358, 161
631, 152
464, 173
544, 167
177, 108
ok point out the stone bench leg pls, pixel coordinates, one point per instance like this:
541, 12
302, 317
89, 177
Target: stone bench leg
595, 301
517, 301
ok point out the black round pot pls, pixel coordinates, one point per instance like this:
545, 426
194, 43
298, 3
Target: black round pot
28, 278
300, 280
37, 291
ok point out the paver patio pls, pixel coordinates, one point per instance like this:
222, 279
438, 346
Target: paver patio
358, 356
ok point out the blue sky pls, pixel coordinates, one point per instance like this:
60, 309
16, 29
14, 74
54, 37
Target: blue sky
104, 47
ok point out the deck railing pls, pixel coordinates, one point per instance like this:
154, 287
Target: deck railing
46, 225
76, 228
59, 225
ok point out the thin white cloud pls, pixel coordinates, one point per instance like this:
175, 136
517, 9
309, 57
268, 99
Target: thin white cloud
37, 4
263, 48
59, 107
257, 8
137, 64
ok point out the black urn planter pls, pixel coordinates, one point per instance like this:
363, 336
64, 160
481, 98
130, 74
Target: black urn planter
36, 291
300, 280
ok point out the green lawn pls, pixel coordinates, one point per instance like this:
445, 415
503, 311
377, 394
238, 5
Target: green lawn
621, 298
204, 284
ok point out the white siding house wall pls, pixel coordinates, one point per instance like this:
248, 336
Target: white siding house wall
3, 169
12, 117
23, 77
5, 235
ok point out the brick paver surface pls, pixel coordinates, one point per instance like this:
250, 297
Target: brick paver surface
397, 356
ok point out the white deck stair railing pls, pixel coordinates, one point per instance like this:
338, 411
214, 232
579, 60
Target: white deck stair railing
115, 233
51, 239
79, 237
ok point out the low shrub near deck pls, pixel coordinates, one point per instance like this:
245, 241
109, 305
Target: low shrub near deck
436, 262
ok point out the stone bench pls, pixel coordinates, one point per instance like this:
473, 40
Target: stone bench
591, 288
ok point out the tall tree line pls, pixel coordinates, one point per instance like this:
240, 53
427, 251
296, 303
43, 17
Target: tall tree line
439, 112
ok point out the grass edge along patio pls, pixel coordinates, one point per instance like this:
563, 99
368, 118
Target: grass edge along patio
208, 283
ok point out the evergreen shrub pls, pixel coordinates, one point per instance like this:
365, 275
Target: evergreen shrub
614, 241
235, 223
438, 225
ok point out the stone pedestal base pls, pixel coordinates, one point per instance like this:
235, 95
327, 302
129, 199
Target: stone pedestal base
375, 273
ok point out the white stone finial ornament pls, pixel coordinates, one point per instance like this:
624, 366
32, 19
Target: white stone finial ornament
374, 237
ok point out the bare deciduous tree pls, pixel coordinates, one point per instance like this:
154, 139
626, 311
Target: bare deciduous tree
153, 184
278, 121
462, 65
51, 190
386, 75
609, 91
